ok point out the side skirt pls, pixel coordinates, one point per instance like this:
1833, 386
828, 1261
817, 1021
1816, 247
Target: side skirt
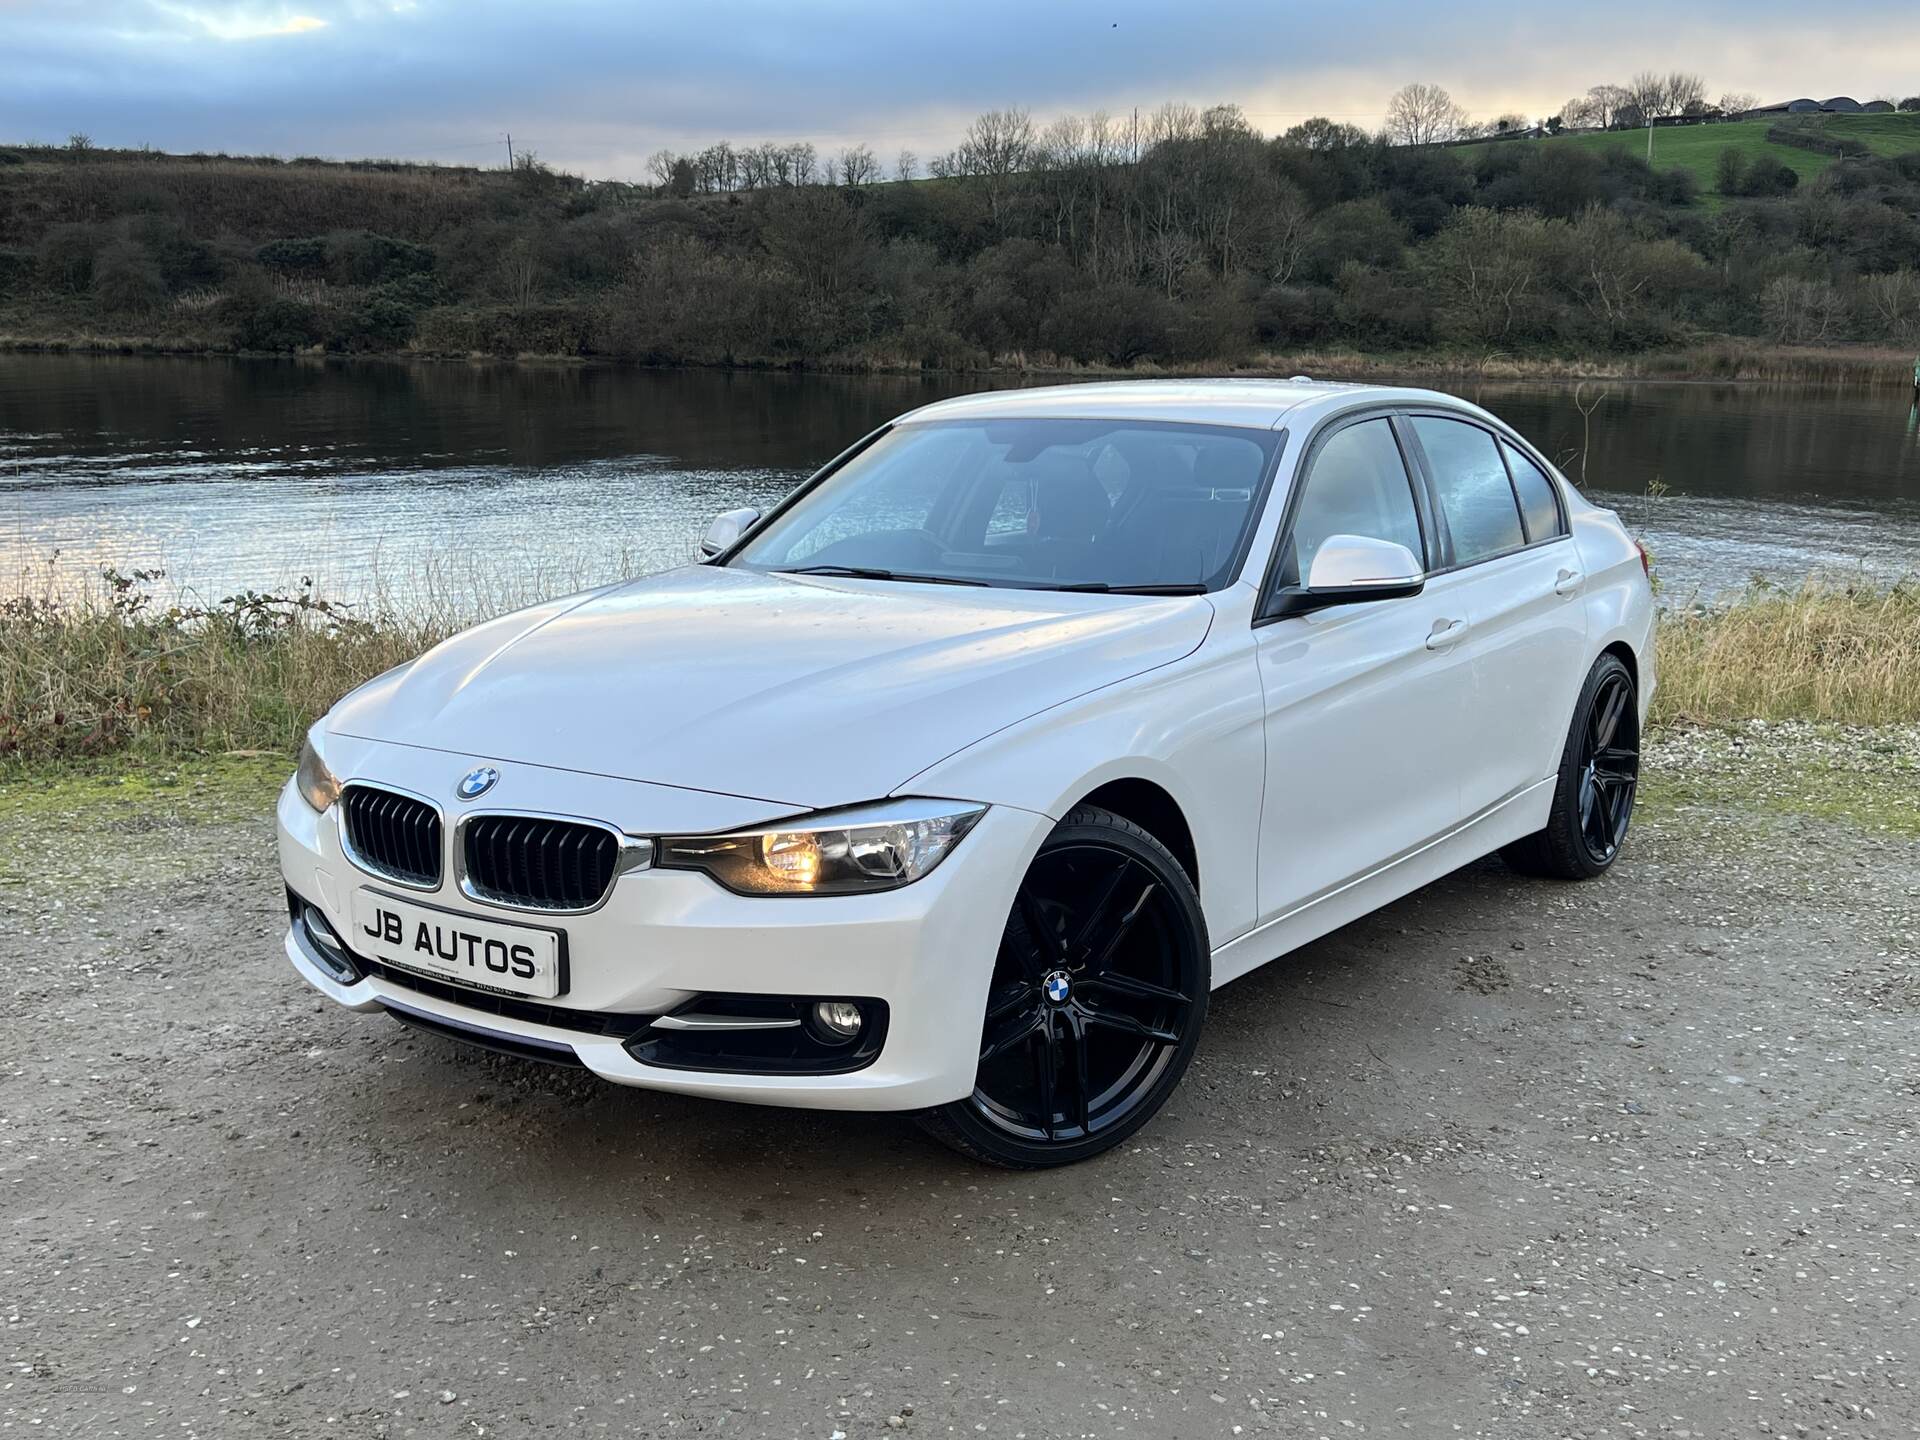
1508, 820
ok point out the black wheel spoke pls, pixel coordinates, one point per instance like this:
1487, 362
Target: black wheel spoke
1611, 705
1129, 1025
1018, 996
1045, 1058
1043, 943
1100, 963
1008, 1038
1115, 983
1099, 910
1082, 1092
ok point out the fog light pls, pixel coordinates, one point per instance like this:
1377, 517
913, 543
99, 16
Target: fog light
837, 1021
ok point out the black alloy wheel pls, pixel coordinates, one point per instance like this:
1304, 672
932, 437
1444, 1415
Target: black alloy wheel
1098, 994
1599, 776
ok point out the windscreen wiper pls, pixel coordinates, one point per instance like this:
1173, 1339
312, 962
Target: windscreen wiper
1101, 587
874, 572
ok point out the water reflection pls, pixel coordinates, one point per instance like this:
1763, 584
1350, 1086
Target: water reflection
409, 477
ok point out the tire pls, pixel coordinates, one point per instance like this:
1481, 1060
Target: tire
1098, 996
1594, 791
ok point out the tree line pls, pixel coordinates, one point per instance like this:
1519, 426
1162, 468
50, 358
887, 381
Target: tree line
1179, 236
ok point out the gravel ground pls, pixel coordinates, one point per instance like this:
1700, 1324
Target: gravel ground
1508, 1159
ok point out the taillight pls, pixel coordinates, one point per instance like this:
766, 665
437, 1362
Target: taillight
1646, 563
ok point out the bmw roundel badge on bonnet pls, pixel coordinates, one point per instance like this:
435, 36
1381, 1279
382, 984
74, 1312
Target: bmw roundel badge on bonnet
476, 783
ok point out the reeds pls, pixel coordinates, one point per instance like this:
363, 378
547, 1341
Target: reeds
1823, 652
118, 671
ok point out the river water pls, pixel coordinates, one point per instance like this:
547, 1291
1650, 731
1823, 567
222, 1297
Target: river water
475, 486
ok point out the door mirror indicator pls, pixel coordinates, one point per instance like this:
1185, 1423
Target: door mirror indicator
725, 530
1349, 569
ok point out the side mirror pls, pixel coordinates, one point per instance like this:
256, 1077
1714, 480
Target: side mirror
1348, 569
725, 529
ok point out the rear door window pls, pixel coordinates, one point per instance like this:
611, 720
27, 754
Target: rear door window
1476, 498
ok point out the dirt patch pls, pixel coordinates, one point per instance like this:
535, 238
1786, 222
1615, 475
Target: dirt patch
1643, 1162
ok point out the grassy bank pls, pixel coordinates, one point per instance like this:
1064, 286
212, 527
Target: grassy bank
1696, 149
1725, 358
117, 676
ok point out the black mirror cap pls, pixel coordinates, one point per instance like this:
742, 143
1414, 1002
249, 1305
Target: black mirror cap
1299, 600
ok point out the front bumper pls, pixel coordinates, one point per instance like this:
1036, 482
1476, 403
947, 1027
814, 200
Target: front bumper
665, 937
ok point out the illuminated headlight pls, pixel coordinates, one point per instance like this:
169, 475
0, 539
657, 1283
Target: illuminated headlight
877, 847
313, 780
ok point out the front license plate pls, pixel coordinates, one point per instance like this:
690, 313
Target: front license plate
460, 948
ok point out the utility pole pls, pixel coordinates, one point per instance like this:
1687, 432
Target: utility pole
1649, 142
510, 148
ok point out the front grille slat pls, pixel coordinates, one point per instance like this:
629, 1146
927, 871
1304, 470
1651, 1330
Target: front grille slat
536, 863
393, 835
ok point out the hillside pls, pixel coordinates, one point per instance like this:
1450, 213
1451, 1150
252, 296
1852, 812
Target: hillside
1696, 148
1211, 247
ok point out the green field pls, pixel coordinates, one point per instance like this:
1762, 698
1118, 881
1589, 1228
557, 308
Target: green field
1696, 148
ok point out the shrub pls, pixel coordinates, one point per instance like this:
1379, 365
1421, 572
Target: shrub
1294, 315
294, 257
125, 279
1109, 324
260, 319
67, 254
16, 270
1767, 176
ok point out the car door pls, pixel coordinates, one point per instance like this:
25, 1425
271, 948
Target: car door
1365, 704
1516, 576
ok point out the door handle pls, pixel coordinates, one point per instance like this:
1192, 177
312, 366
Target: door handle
1567, 581
1446, 632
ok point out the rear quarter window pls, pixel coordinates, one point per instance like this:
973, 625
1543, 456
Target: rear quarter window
1539, 496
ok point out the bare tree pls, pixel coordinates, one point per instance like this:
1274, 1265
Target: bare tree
520, 269
660, 166
997, 143
858, 166
1893, 299
1422, 114
906, 165
1646, 94
1605, 103
1736, 103
1686, 93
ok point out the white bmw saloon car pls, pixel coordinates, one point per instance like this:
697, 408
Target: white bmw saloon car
954, 783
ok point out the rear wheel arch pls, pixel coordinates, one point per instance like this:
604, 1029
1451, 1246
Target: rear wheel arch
1627, 658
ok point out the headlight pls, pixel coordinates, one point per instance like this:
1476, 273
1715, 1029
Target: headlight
877, 847
314, 781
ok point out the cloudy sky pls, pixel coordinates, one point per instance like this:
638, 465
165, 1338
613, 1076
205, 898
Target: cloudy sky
595, 86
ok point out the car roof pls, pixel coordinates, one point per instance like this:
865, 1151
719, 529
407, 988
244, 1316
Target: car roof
1249, 404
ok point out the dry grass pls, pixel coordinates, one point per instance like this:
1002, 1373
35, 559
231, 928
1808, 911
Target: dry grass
120, 673
1823, 652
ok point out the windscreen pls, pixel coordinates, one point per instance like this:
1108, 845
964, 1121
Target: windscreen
1085, 504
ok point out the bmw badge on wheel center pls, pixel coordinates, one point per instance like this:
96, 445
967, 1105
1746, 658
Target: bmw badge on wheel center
957, 781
